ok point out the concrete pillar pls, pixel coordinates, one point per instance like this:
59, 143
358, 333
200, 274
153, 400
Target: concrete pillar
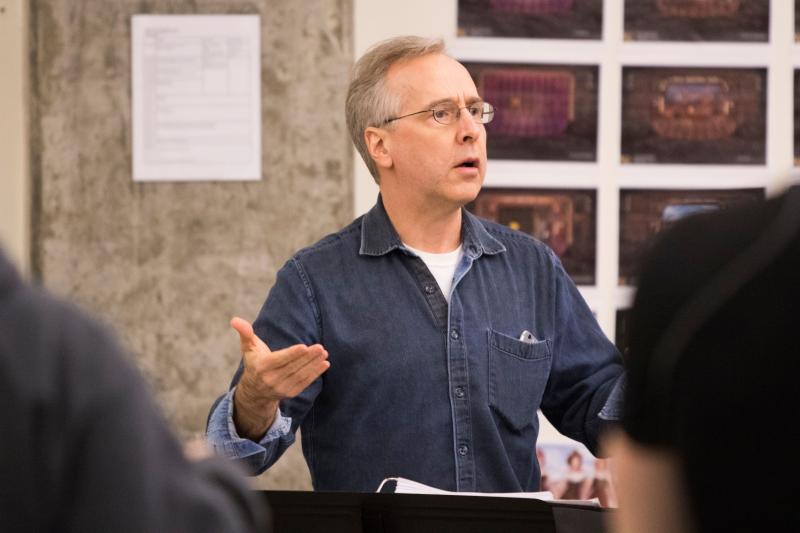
168, 264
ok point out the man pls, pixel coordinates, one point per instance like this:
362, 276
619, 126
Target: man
710, 415
419, 341
84, 448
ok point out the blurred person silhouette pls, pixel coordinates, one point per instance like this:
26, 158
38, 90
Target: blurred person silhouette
578, 482
712, 375
84, 447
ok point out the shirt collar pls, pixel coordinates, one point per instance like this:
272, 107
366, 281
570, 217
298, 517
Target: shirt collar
378, 236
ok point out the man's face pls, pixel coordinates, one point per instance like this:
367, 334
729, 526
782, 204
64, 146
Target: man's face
435, 164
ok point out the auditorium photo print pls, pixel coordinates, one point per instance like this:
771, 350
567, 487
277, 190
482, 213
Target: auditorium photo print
694, 115
564, 219
542, 19
542, 112
697, 20
644, 213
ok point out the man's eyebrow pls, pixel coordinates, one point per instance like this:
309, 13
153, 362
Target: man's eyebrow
469, 101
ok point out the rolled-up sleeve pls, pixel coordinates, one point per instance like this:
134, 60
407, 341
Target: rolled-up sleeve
288, 317
254, 456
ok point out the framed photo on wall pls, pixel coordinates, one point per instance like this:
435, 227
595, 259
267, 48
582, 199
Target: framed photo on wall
542, 112
694, 115
564, 219
543, 19
697, 20
644, 213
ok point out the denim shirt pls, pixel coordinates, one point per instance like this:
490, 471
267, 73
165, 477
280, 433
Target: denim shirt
442, 394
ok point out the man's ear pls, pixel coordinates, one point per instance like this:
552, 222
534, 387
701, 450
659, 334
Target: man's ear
377, 146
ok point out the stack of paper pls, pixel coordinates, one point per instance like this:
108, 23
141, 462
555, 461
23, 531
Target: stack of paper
402, 485
406, 486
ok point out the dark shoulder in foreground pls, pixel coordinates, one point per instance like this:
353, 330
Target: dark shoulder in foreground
48, 329
78, 415
685, 257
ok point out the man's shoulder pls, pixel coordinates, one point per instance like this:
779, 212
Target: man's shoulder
333, 244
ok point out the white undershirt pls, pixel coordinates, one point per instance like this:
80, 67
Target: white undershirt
442, 266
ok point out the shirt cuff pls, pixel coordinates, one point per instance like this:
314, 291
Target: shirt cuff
226, 441
612, 410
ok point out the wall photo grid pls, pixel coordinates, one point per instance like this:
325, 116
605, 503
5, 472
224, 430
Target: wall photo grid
683, 124
615, 119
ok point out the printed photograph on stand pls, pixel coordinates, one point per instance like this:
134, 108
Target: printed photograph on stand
538, 19
563, 219
644, 213
542, 112
570, 472
694, 115
697, 20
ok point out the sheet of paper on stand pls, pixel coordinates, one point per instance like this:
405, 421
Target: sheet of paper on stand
401, 485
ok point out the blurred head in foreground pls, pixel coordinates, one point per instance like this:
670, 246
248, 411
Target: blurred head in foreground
709, 430
85, 447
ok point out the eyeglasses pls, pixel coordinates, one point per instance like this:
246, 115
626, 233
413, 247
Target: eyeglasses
449, 112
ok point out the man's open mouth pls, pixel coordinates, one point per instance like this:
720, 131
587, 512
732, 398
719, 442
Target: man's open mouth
468, 163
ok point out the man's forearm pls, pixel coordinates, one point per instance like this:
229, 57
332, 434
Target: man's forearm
252, 416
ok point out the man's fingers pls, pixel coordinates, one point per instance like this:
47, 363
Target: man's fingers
306, 375
313, 357
302, 366
280, 374
290, 359
247, 337
300, 380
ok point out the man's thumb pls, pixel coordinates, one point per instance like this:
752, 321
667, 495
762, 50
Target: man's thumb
248, 338
244, 329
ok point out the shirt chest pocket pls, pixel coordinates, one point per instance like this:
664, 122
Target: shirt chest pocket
518, 374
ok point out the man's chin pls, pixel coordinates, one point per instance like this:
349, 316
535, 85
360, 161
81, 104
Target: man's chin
467, 194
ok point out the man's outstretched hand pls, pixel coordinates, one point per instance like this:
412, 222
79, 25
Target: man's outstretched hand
269, 377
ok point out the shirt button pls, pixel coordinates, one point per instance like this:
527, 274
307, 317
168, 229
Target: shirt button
459, 392
462, 450
454, 334
430, 289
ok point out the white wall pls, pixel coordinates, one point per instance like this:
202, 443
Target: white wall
376, 20
14, 189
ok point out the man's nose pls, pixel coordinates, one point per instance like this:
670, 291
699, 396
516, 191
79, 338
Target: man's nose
468, 128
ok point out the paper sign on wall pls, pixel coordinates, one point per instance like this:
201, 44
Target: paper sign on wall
196, 97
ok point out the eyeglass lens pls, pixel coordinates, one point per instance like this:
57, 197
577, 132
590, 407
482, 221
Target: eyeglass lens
481, 112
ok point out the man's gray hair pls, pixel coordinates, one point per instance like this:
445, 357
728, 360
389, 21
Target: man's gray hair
369, 103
